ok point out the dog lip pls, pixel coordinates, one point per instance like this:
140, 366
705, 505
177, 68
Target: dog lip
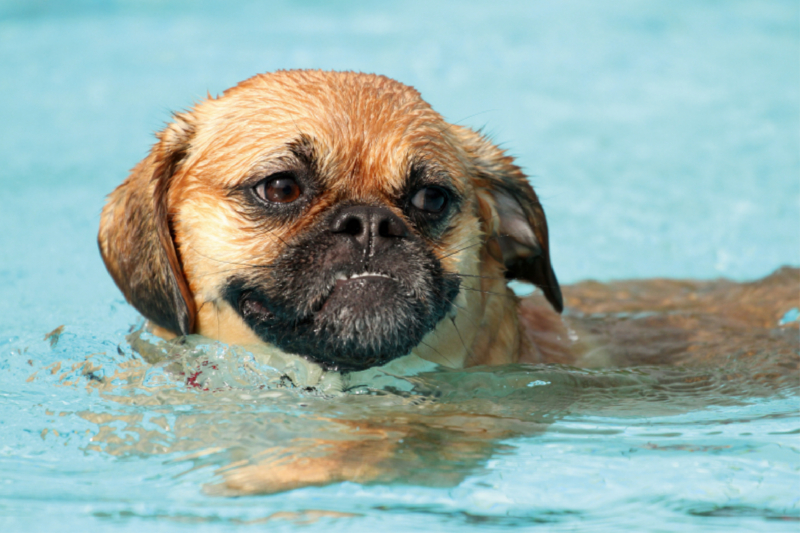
361, 279
358, 282
341, 276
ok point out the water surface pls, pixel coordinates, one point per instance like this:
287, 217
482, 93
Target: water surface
663, 142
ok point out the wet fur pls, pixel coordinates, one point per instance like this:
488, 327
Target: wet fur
184, 242
177, 236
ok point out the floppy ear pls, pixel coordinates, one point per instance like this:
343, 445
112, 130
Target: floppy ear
512, 216
135, 237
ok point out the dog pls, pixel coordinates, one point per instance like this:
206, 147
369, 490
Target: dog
336, 216
332, 215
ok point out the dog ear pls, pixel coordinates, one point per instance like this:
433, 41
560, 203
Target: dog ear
136, 240
512, 216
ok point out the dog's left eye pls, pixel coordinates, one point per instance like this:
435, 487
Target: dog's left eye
279, 189
430, 199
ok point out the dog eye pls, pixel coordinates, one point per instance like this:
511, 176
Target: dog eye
280, 189
430, 199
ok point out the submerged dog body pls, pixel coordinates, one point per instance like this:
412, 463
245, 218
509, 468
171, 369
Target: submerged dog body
333, 215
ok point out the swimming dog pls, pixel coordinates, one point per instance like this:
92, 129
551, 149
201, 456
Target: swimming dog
333, 215
336, 216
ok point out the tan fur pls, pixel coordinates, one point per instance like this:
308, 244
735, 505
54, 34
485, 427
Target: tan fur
172, 233
366, 130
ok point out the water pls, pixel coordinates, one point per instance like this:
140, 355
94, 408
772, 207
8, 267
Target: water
663, 143
108, 439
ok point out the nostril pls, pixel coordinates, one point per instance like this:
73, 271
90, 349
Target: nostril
383, 228
368, 223
391, 226
353, 226
349, 223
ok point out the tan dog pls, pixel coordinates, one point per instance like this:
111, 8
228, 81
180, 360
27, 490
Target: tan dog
334, 215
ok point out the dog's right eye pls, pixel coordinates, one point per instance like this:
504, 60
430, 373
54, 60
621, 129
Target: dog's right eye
432, 200
279, 189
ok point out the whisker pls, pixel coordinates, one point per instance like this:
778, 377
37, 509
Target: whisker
279, 238
438, 352
455, 248
466, 313
470, 355
462, 249
474, 115
486, 237
221, 272
490, 292
483, 277
483, 239
224, 262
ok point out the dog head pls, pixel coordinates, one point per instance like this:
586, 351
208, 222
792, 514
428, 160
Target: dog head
334, 215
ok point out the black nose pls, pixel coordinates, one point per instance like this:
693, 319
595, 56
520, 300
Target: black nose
374, 228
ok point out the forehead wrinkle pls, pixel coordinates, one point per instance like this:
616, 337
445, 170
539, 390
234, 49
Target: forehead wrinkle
382, 153
364, 127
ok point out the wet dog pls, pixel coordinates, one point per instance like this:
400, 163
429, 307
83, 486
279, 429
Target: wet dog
333, 215
338, 217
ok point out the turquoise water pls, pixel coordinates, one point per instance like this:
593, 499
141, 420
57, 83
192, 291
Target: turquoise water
663, 142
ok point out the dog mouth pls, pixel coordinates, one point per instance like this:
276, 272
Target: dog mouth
341, 276
346, 293
363, 289
355, 319
342, 280
347, 296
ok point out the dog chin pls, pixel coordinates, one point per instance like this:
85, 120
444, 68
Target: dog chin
365, 319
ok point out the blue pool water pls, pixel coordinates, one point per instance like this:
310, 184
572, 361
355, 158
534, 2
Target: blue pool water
662, 139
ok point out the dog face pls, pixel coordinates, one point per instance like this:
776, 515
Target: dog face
333, 215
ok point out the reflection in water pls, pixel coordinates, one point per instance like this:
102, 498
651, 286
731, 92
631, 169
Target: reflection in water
266, 422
